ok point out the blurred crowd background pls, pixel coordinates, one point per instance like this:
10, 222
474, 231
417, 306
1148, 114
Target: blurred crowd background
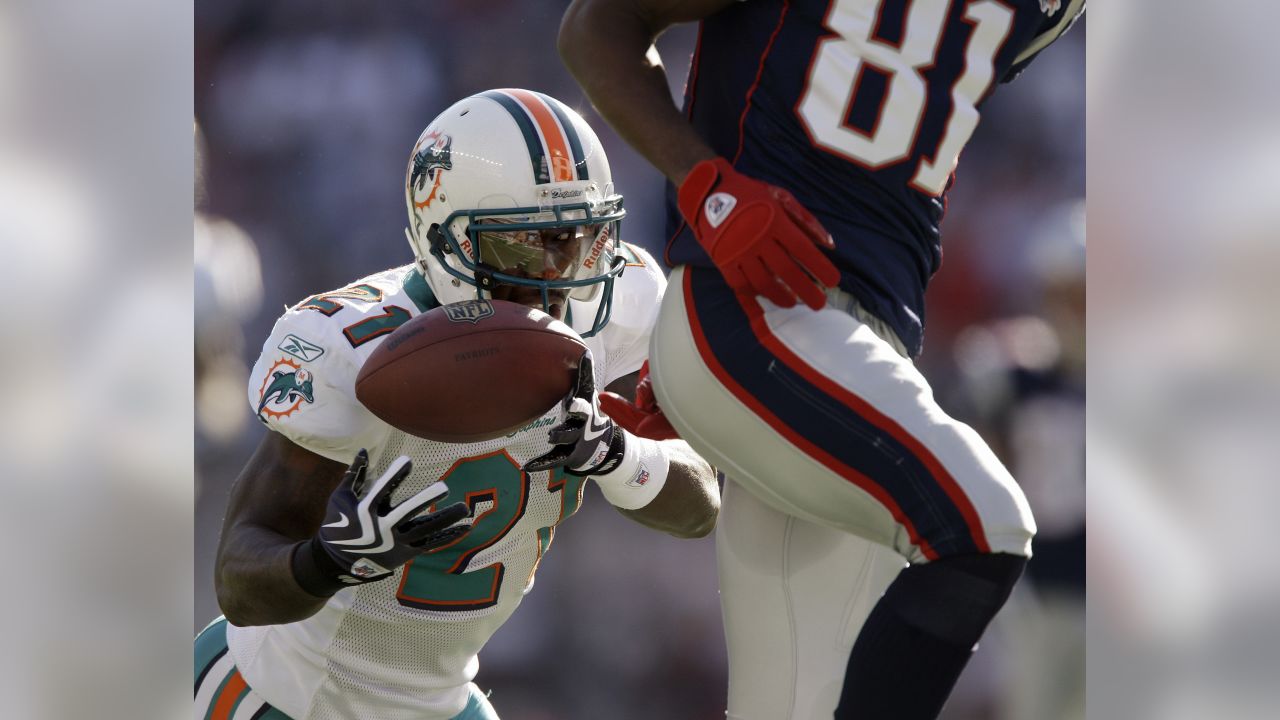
306, 114
102, 468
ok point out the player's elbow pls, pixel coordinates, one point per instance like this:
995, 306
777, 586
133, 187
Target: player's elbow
248, 598
694, 525
700, 515
234, 607
707, 521
574, 37
245, 609
699, 528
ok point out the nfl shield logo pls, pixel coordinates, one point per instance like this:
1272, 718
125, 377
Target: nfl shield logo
472, 311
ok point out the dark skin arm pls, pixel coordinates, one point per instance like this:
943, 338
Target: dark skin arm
278, 501
608, 47
282, 494
689, 502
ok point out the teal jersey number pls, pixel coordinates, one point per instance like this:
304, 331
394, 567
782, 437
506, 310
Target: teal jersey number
376, 325
327, 304
443, 579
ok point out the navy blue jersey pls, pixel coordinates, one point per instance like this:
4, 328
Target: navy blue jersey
860, 108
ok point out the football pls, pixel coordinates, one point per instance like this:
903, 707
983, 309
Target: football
470, 371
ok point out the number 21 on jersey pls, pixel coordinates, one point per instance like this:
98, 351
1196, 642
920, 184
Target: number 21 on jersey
840, 63
448, 579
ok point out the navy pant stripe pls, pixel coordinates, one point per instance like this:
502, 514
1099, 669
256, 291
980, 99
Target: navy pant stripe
829, 424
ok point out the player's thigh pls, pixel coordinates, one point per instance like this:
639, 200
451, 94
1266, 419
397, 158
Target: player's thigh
822, 418
794, 596
221, 692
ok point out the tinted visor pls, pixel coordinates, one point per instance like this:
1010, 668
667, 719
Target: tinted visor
550, 253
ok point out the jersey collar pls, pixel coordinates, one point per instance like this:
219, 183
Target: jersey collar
416, 287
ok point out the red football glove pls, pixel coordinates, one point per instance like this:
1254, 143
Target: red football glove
761, 238
643, 417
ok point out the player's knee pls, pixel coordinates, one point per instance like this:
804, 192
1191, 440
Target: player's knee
954, 598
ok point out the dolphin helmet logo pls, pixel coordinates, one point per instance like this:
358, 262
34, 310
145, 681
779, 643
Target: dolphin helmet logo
286, 387
429, 163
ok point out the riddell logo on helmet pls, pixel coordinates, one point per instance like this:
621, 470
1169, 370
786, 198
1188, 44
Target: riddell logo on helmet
563, 194
596, 248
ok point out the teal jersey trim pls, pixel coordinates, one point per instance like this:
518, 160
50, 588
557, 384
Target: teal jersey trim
416, 287
478, 707
211, 643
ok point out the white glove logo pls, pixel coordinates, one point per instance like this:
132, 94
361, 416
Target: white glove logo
341, 522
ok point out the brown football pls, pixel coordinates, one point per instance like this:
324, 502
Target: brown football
470, 371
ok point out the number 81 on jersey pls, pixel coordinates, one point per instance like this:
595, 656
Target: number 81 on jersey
840, 63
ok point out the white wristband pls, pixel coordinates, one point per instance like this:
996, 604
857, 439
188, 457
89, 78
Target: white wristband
638, 479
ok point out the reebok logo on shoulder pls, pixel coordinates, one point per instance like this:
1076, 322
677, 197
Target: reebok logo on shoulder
718, 207
301, 349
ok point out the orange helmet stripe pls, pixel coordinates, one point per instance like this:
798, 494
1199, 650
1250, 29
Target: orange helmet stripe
553, 136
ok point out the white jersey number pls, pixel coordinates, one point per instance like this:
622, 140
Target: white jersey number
839, 63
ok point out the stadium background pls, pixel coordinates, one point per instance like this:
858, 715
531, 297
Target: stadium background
305, 116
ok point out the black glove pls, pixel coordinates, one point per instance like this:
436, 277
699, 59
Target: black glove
587, 442
364, 538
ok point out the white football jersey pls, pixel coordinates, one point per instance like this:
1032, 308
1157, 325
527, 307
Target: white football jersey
406, 647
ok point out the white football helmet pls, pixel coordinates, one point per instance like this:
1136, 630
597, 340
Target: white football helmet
527, 163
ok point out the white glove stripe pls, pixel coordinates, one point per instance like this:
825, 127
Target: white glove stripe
369, 527
406, 508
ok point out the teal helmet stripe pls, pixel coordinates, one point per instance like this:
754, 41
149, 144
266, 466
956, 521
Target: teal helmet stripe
570, 133
537, 156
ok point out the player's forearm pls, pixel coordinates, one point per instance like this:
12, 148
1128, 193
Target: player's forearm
607, 48
689, 502
255, 582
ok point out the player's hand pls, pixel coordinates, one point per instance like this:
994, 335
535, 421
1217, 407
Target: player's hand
365, 538
587, 442
762, 240
643, 417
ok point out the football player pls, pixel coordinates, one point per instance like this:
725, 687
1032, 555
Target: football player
808, 175
352, 588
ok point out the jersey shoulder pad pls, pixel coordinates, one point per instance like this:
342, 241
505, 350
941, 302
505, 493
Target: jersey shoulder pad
303, 383
637, 293
641, 284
